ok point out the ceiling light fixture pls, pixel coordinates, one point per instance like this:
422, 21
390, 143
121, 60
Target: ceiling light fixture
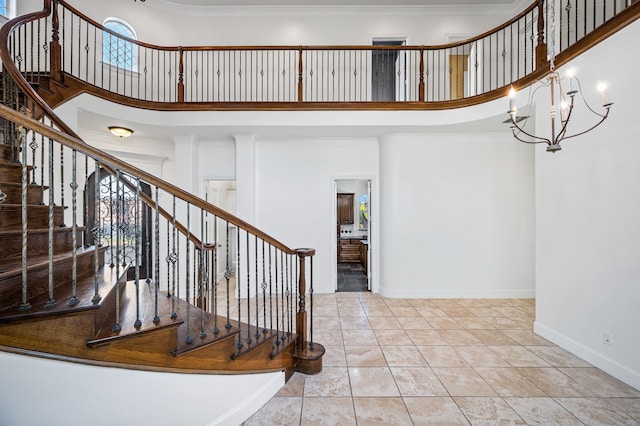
123, 132
558, 97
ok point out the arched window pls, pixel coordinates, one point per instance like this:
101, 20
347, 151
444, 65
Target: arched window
116, 50
3, 8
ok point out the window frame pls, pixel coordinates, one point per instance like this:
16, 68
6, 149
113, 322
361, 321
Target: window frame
108, 56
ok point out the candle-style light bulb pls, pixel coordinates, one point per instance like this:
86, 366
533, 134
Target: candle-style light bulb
512, 98
602, 88
571, 75
564, 111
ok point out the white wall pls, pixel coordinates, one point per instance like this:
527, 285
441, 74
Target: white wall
588, 221
457, 214
295, 195
31, 395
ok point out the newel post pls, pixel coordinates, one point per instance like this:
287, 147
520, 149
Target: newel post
541, 47
300, 76
55, 51
181, 76
308, 354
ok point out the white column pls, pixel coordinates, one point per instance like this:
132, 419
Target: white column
246, 176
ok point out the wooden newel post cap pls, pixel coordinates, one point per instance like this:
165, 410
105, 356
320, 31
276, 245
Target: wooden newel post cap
304, 252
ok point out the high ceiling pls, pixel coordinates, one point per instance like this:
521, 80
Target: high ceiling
263, 3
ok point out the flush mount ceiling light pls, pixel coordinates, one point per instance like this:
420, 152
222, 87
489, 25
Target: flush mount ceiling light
123, 132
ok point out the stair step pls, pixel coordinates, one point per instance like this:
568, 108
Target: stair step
129, 316
5, 152
11, 172
38, 274
37, 216
252, 339
13, 191
84, 293
37, 242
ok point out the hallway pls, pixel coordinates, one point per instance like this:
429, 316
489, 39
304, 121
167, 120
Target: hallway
351, 277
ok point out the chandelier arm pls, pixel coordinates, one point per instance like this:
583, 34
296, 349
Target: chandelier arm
604, 117
515, 135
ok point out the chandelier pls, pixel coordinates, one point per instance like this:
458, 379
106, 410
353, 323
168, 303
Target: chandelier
565, 100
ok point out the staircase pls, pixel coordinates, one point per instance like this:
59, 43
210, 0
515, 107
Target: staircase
106, 319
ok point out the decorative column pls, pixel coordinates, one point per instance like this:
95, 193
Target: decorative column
55, 51
541, 47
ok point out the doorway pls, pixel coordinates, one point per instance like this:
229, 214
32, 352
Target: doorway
222, 193
388, 71
353, 231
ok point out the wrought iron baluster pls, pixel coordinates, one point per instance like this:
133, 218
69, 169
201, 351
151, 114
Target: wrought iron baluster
201, 278
227, 276
248, 297
188, 339
270, 292
156, 275
216, 330
97, 233
116, 327
174, 260
238, 286
74, 226
50, 301
263, 285
257, 294
24, 305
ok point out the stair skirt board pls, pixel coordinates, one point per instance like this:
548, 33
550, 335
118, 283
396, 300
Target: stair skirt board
111, 396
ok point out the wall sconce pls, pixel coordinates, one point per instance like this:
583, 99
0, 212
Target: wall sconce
122, 132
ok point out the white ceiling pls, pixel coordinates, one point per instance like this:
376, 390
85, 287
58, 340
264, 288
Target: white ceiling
267, 3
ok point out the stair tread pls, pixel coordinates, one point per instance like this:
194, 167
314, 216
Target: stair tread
41, 230
13, 267
85, 292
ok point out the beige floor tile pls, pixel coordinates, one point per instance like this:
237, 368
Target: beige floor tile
463, 382
442, 356
601, 383
444, 323
384, 323
365, 356
471, 302
510, 311
457, 311
404, 311
426, 337
334, 356
294, 386
328, 411
358, 337
488, 411
284, 411
519, 356
428, 311
484, 312
398, 302
503, 323
378, 311
327, 337
459, 337
413, 381
392, 337
473, 323
628, 406
554, 382
331, 381
558, 357
435, 411
594, 411
481, 356
413, 323
356, 311
508, 382
406, 356
493, 338
326, 323
354, 323
527, 338
325, 310
353, 301
372, 381
381, 411
542, 411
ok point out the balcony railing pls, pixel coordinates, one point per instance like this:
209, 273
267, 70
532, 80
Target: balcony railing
407, 76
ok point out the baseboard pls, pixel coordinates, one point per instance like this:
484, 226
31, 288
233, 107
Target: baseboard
597, 359
457, 293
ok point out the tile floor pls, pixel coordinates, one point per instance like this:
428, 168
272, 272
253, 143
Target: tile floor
443, 362
351, 277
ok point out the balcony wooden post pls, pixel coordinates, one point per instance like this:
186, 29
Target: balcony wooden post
541, 47
308, 355
300, 75
421, 84
181, 76
55, 51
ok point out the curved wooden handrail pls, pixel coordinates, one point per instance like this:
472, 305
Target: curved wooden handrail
108, 160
